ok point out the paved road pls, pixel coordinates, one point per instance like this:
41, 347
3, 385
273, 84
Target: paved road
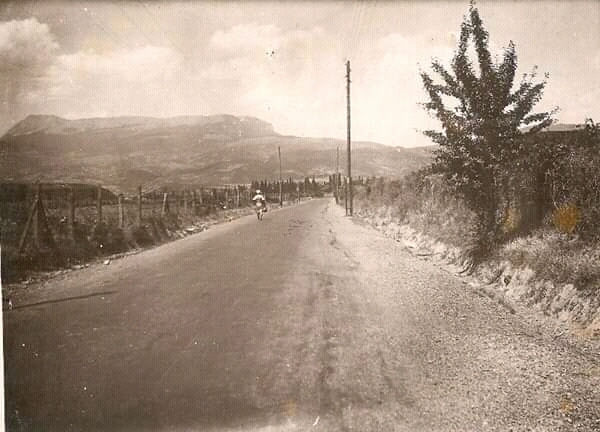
303, 321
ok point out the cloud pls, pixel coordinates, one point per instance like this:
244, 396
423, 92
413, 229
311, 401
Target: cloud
141, 65
251, 51
36, 77
285, 76
26, 47
245, 39
138, 81
296, 80
27, 50
596, 59
387, 89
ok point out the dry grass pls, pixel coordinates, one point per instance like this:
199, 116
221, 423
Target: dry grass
557, 257
438, 215
93, 240
565, 218
553, 252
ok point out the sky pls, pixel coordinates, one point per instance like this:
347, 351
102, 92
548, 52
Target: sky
283, 62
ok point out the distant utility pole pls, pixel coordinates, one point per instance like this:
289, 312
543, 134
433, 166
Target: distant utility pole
337, 175
349, 208
280, 180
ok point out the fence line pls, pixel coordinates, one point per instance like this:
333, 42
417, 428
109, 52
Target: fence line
62, 213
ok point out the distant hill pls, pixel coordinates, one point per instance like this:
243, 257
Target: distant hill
53, 125
124, 152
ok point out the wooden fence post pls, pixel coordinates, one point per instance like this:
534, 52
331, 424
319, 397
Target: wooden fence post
153, 200
99, 204
32, 212
165, 204
71, 217
139, 212
185, 200
37, 218
194, 206
121, 211
346, 194
43, 222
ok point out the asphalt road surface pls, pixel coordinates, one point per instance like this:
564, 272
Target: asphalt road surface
303, 321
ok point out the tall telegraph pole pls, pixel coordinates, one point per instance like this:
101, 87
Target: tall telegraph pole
349, 209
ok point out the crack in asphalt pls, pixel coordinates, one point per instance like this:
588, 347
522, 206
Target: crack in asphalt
61, 300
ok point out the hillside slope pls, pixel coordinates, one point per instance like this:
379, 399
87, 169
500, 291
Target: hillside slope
122, 153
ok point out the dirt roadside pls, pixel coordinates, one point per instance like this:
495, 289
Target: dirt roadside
514, 284
408, 345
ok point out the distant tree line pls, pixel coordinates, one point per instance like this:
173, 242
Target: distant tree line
290, 187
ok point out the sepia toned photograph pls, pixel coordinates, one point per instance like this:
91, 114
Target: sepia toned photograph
328, 216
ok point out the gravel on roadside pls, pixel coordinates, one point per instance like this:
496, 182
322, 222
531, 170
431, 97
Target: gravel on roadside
411, 346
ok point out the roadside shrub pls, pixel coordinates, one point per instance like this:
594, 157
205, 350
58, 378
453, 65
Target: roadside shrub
138, 236
107, 239
512, 221
420, 200
565, 218
557, 257
556, 252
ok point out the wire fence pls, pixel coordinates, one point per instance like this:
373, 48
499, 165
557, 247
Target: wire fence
52, 225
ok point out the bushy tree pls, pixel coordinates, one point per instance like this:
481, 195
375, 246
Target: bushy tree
483, 117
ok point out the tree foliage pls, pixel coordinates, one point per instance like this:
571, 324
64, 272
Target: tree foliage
483, 115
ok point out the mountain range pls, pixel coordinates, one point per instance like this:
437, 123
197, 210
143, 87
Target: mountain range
123, 152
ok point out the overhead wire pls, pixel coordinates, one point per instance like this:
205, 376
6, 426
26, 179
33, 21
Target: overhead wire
360, 22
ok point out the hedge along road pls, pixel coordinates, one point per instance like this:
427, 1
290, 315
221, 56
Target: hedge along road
302, 321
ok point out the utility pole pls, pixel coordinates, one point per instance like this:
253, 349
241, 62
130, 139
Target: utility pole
280, 186
337, 175
349, 208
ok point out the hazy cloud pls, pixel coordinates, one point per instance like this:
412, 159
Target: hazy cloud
249, 51
26, 47
246, 39
287, 77
387, 87
138, 81
596, 62
27, 50
141, 65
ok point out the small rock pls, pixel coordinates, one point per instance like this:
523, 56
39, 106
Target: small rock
106, 262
